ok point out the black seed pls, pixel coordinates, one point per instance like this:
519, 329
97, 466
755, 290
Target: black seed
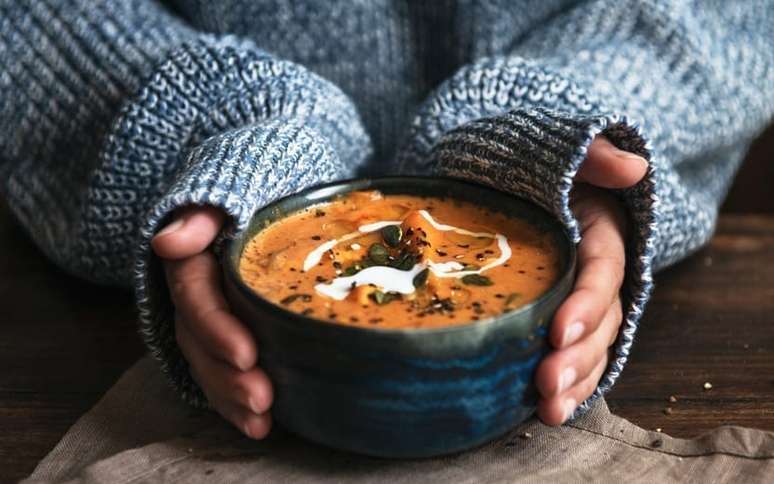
476, 280
288, 300
499, 296
320, 279
307, 311
421, 278
293, 287
316, 237
337, 264
441, 253
375, 320
306, 297
392, 235
319, 213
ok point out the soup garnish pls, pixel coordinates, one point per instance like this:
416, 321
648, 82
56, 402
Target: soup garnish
400, 261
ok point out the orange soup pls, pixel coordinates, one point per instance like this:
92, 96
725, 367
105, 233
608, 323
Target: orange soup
400, 261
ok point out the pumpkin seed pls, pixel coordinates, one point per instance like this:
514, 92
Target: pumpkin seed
392, 235
405, 262
378, 254
476, 280
421, 278
382, 298
512, 298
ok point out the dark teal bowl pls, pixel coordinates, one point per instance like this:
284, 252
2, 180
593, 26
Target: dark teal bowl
400, 392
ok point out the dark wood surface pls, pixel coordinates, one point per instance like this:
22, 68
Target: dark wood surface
64, 342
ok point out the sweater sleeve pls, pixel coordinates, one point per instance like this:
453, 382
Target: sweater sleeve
686, 85
113, 114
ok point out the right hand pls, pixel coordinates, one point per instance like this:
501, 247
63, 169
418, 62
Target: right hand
220, 350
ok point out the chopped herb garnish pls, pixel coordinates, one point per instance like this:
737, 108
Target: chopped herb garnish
476, 280
470, 267
392, 235
421, 278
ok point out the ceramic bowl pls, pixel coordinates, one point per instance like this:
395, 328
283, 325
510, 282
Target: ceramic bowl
400, 392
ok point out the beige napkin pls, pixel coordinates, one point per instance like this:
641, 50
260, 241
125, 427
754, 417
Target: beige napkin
140, 432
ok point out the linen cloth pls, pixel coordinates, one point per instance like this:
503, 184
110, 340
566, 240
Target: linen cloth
140, 432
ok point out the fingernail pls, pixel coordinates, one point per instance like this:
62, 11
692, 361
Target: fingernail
572, 334
569, 408
174, 226
636, 159
254, 404
567, 379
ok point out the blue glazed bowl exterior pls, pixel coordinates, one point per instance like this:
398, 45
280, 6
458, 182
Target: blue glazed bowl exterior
400, 393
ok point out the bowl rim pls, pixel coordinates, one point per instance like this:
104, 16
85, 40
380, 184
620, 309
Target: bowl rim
363, 183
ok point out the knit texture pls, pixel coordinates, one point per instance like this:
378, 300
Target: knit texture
114, 114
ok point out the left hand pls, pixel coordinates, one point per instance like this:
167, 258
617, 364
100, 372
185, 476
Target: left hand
587, 323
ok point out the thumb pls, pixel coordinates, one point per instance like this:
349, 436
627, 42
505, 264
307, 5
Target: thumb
609, 167
190, 232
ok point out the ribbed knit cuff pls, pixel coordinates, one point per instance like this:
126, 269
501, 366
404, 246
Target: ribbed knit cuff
225, 125
535, 154
236, 171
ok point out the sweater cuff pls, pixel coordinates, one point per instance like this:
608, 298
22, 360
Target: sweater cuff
535, 154
236, 171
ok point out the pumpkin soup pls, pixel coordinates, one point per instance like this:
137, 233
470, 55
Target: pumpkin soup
368, 259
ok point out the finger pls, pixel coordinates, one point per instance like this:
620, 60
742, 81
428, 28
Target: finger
601, 262
254, 426
242, 397
609, 167
191, 232
562, 369
555, 411
194, 286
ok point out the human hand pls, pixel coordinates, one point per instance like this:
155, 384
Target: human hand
587, 323
220, 350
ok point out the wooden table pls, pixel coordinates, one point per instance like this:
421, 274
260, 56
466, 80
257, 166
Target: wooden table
64, 342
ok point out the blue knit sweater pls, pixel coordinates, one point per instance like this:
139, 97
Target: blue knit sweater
112, 114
